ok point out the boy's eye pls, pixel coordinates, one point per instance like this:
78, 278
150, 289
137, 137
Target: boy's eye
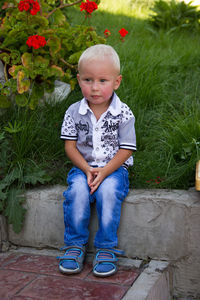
87, 79
102, 80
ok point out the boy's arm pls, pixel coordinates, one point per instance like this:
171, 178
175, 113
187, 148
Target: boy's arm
77, 159
120, 157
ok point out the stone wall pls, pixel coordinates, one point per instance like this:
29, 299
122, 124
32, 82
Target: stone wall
160, 224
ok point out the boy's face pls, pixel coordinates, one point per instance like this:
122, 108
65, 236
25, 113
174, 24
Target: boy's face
98, 79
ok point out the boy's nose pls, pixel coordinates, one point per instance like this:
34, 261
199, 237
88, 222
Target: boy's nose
95, 85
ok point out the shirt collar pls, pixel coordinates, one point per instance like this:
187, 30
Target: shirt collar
114, 108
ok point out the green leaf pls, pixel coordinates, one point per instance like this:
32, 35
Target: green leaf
27, 60
5, 57
3, 196
57, 18
35, 175
13, 71
4, 102
2, 136
15, 57
54, 45
36, 94
56, 71
14, 128
14, 37
33, 103
73, 83
15, 211
41, 22
23, 83
73, 59
11, 177
41, 62
67, 44
21, 100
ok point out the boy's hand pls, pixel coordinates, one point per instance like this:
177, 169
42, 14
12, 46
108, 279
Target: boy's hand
96, 176
90, 176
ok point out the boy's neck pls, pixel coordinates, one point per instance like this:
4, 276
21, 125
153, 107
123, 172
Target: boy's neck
99, 109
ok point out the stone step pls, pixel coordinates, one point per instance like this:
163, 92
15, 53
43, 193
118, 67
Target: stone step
161, 224
41, 278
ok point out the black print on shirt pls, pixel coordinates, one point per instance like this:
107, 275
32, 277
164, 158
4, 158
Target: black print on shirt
82, 127
88, 141
110, 126
109, 140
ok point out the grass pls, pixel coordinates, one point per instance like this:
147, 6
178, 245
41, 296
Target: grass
161, 85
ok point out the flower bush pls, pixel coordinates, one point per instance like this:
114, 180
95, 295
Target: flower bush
38, 46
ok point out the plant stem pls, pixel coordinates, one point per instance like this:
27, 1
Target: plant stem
27, 18
40, 7
62, 6
69, 65
5, 72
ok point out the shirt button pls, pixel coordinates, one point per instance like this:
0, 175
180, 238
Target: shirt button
97, 148
96, 128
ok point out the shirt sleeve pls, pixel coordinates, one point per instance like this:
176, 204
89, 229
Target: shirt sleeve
127, 136
68, 129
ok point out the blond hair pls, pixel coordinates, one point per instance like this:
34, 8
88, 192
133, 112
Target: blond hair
101, 51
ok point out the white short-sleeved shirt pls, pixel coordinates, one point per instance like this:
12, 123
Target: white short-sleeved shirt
98, 141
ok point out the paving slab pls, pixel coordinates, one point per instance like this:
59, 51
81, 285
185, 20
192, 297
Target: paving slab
31, 275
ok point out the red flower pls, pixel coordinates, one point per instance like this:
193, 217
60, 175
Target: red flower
88, 6
36, 41
23, 6
155, 181
123, 32
107, 33
29, 5
35, 9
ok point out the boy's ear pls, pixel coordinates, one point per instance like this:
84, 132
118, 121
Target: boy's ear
78, 77
117, 82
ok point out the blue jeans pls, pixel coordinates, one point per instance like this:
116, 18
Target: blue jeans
109, 197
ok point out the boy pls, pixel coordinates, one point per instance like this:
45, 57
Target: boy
99, 139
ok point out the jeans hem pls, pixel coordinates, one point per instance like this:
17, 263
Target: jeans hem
107, 246
80, 244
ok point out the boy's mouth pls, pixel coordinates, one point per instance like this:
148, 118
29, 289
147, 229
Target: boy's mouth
95, 96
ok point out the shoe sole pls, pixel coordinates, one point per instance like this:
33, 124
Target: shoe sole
69, 271
105, 274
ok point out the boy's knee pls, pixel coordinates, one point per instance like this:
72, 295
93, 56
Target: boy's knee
79, 184
108, 187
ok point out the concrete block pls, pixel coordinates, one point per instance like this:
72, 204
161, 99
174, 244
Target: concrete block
154, 223
44, 224
152, 284
186, 277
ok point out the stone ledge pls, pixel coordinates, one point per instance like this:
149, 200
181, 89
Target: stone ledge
152, 284
160, 224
